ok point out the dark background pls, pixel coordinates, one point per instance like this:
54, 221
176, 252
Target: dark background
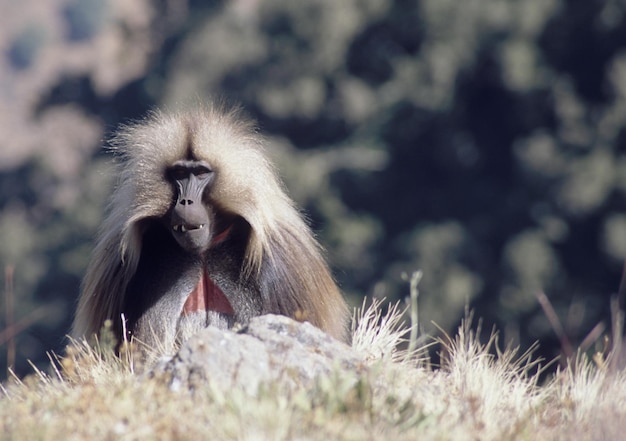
482, 142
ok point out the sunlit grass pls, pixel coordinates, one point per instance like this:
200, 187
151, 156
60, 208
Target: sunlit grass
479, 391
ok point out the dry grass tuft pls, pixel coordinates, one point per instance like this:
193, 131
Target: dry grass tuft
479, 392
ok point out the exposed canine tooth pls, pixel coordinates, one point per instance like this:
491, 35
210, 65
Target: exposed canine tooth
201, 226
183, 229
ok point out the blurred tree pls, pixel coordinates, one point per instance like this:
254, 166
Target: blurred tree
85, 18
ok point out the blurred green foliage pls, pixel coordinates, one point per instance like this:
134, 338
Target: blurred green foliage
85, 18
25, 47
479, 141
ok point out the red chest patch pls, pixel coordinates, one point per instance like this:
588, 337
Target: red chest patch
207, 296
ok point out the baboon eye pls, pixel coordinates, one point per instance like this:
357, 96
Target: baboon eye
184, 169
178, 173
202, 172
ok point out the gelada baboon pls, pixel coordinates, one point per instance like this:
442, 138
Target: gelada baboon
200, 232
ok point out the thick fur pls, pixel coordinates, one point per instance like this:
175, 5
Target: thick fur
281, 268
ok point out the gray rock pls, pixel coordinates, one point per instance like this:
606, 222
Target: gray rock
269, 349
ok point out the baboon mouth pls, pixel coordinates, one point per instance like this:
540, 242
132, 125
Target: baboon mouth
180, 228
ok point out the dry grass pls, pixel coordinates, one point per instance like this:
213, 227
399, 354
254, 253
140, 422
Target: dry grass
478, 393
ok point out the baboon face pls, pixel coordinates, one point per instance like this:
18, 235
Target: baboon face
195, 223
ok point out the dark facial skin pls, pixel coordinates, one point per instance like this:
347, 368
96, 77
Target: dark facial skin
190, 221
